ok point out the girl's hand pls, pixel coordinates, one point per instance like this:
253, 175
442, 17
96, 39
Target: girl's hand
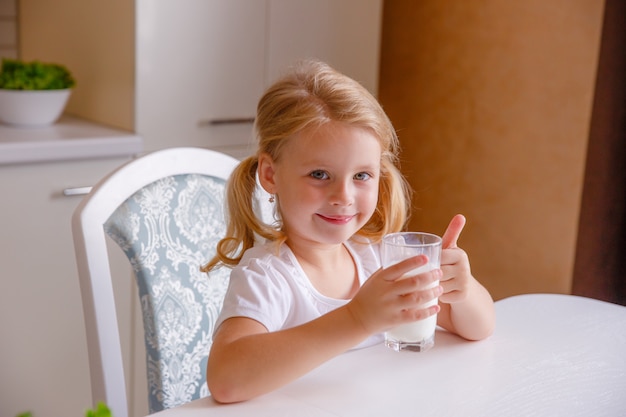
466, 306
457, 276
388, 299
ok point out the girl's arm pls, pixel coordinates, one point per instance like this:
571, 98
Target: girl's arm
246, 360
472, 318
466, 306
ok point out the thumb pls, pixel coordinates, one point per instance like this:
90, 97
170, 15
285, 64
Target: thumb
451, 236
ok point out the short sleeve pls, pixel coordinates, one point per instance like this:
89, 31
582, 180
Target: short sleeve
258, 292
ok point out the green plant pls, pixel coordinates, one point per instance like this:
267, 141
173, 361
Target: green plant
35, 75
100, 411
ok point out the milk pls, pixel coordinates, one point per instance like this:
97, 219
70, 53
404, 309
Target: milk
417, 331
418, 336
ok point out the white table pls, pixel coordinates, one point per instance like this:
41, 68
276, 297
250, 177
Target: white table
551, 355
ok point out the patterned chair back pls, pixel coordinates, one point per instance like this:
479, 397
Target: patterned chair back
167, 230
165, 211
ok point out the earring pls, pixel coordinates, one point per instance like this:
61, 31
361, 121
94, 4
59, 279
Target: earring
271, 199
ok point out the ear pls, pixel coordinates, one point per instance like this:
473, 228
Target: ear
266, 170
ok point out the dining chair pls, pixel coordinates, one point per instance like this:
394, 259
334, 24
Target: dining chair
165, 211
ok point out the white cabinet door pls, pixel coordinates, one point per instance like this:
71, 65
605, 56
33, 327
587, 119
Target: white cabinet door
43, 360
344, 33
203, 64
200, 63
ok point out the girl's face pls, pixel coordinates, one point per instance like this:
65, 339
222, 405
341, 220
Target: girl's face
326, 182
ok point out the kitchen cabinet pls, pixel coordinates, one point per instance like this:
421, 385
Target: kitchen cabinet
202, 68
43, 352
44, 356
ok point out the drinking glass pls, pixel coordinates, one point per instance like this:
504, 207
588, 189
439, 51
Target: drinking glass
418, 336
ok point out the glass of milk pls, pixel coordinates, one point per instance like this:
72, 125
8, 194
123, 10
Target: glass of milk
418, 336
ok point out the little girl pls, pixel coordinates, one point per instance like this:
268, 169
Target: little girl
315, 288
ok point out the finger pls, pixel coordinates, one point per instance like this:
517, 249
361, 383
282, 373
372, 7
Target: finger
397, 271
423, 281
447, 284
453, 297
421, 313
452, 257
447, 273
418, 299
451, 236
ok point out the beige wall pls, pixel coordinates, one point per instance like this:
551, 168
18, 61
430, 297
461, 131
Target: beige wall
492, 102
95, 40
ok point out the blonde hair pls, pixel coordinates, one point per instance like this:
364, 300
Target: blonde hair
311, 95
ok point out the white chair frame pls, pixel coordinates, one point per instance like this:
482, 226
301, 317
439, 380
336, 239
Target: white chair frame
103, 338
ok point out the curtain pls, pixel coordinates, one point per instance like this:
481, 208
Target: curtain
600, 265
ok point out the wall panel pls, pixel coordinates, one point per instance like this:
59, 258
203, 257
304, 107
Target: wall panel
492, 102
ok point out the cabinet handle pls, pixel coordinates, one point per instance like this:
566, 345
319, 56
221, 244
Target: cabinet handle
226, 121
76, 191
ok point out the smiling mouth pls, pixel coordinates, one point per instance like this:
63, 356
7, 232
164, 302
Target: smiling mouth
336, 219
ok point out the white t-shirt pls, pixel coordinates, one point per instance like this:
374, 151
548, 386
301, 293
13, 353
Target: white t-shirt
273, 289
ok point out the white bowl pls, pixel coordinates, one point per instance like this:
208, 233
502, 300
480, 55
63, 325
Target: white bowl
32, 108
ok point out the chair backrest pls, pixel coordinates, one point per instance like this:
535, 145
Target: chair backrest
165, 211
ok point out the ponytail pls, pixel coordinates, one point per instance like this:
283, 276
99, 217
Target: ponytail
243, 224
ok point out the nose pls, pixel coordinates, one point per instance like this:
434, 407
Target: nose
342, 193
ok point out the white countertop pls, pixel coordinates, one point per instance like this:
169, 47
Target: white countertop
70, 138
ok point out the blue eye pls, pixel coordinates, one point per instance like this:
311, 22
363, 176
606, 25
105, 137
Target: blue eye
319, 175
362, 176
